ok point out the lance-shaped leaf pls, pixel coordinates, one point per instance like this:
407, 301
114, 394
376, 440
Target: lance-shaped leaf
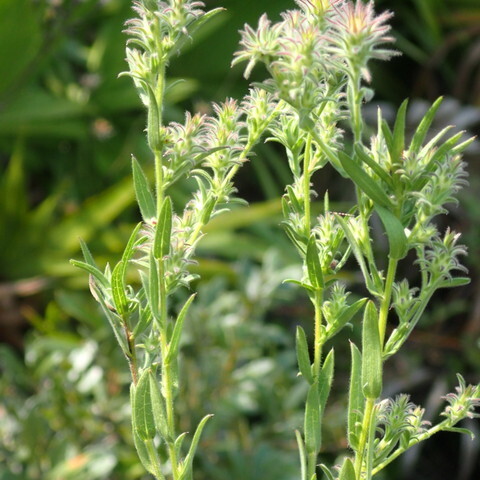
453, 282
187, 465
397, 239
163, 232
303, 455
347, 471
142, 413
131, 245
312, 426
118, 289
398, 145
158, 407
174, 343
355, 398
371, 354
153, 121
422, 130
93, 271
314, 268
376, 167
144, 195
303, 356
328, 473
139, 443
345, 317
325, 379
364, 182
193, 27
152, 287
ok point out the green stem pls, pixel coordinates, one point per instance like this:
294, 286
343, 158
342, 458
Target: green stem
363, 442
387, 296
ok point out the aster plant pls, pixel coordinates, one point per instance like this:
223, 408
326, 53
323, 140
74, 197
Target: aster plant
317, 57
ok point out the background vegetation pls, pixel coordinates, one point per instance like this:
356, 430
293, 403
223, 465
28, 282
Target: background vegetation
67, 128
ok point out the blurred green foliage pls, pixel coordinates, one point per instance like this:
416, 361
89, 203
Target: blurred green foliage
67, 128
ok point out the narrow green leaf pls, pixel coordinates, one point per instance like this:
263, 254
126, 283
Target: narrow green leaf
348, 471
355, 398
356, 249
314, 268
364, 182
327, 472
303, 455
193, 27
145, 199
187, 465
398, 145
179, 442
345, 317
453, 282
158, 408
153, 291
144, 318
397, 239
87, 254
139, 445
303, 357
297, 207
371, 354
153, 121
177, 331
118, 289
163, 231
94, 271
464, 431
422, 130
312, 426
114, 320
325, 380
142, 413
387, 134
131, 244
376, 167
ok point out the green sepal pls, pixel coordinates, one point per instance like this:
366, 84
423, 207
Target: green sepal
347, 471
186, 468
303, 455
142, 413
397, 239
120, 299
355, 398
371, 354
325, 379
158, 408
314, 269
312, 426
163, 231
174, 343
303, 357
364, 182
143, 194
